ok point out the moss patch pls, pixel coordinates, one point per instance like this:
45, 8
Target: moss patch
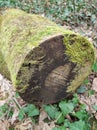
80, 51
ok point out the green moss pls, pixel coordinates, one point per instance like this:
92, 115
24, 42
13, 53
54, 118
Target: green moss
79, 49
3, 65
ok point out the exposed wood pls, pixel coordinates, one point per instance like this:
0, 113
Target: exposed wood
44, 62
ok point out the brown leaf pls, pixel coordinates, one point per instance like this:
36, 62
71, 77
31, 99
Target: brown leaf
43, 115
14, 116
4, 125
25, 125
94, 85
43, 126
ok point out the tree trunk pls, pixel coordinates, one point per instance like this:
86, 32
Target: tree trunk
45, 62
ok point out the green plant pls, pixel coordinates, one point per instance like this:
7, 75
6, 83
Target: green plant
30, 110
59, 128
3, 110
54, 113
78, 117
79, 125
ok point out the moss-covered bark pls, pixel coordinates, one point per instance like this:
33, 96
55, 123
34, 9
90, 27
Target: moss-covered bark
44, 61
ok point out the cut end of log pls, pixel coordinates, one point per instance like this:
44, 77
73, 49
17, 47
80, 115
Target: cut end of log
45, 62
48, 73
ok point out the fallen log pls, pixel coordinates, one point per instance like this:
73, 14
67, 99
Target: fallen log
45, 62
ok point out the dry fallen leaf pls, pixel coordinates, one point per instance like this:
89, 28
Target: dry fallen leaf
43, 126
4, 125
24, 125
6, 90
14, 116
95, 115
94, 85
43, 115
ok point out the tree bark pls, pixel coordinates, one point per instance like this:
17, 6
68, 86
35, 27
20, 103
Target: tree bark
45, 62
